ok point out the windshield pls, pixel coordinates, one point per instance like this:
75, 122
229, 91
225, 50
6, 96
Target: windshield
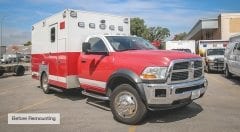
122, 43
215, 52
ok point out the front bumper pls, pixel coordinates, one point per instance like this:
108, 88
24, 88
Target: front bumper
167, 96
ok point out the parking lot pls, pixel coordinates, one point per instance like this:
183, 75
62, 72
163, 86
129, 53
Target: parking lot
217, 111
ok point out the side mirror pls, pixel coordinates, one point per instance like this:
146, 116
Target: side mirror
86, 47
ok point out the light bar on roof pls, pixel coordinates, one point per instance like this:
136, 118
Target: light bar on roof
81, 24
111, 27
102, 26
91, 25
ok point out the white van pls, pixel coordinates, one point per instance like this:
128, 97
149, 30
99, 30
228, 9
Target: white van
232, 57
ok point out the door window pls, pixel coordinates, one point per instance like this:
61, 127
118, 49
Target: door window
97, 45
237, 47
52, 34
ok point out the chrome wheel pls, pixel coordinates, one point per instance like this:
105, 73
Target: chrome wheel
125, 104
44, 83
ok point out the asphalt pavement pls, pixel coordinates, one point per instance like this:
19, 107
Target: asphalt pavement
217, 111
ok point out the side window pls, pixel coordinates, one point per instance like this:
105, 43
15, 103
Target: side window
52, 34
97, 45
238, 45
235, 46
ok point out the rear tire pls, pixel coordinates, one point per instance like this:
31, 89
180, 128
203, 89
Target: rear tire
1, 71
126, 105
44, 84
19, 70
227, 73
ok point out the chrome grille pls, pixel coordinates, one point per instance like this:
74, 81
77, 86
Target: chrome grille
219, 60
197, 73
181, 65
185, 70
197, 64
177, 76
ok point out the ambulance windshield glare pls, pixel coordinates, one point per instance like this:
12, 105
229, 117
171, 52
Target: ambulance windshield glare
123, 43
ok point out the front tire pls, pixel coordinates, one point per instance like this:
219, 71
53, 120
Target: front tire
126, 105
44, 84
227, 73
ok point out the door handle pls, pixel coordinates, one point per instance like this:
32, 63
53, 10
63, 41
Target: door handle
83, 60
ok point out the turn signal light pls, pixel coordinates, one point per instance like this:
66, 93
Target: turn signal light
148, 76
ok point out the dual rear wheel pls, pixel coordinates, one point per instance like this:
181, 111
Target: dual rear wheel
44, 83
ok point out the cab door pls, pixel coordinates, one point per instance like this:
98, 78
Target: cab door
95, 67
236, 63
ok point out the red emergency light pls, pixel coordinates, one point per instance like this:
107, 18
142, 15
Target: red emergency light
62, 25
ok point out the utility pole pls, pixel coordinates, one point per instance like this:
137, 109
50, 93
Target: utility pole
1, 36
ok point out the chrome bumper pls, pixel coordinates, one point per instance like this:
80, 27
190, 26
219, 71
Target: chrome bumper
171, 95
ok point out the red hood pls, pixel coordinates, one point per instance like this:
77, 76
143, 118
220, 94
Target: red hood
139, 59
153, 57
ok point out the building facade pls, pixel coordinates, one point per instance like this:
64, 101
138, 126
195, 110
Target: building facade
220, 28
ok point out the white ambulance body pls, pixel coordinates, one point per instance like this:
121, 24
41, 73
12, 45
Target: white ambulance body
181, 45
57, 42
203, 45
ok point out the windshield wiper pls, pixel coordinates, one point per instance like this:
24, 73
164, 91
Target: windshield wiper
129, 49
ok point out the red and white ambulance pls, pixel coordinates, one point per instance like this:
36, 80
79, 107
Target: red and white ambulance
95, 52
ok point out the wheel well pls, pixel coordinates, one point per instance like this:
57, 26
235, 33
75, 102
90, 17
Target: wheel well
118, 81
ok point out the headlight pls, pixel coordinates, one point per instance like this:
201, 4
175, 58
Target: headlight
209, 60
154, 73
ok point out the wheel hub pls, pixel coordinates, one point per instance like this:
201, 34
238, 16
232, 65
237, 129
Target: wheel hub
45, 83
125, 104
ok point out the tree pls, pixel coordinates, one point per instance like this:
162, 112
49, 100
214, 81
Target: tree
180, 36
28, 43
157, 33
138, 27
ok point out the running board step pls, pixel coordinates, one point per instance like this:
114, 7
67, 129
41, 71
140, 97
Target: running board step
93, 95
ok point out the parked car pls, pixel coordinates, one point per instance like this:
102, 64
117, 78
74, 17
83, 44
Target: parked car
214, 59
25, 58
5, 59
232, 57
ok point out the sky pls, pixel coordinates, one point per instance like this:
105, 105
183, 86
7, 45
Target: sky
18, 16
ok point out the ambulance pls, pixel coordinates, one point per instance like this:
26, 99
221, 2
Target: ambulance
96, 53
